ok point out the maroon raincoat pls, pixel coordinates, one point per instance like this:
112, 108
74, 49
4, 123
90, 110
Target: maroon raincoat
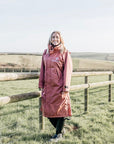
55, 77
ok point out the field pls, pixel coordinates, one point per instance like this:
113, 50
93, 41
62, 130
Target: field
20, 61
34, 61
19, 122
94, 55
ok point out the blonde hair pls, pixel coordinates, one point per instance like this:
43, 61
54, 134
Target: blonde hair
61, 40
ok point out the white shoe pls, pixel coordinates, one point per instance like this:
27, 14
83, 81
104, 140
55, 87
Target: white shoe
56, 138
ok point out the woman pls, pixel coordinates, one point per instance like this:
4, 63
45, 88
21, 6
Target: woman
54, 81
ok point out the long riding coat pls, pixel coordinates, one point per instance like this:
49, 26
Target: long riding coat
55, 77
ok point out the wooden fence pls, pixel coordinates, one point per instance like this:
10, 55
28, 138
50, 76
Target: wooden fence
19, 69
85, 87
37, 69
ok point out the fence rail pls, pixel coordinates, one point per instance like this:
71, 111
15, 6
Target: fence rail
18, 76
17, 98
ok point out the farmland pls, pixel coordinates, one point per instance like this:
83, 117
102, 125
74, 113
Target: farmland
34, 61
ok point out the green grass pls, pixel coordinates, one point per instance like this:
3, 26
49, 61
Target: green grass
19, 122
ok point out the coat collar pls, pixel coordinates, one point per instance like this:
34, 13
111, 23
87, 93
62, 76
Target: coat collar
55, 49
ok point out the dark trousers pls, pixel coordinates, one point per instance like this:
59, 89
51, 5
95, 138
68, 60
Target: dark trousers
58, 123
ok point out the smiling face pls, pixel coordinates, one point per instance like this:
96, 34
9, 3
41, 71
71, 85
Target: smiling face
55, 38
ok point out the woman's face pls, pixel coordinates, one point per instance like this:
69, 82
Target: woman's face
55, 39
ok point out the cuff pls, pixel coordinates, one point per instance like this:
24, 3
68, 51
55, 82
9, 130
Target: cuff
65, 89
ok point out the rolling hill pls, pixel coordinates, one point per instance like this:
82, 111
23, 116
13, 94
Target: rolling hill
81, 61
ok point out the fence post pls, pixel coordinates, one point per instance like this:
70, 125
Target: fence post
110, 89
41, 119
86, 92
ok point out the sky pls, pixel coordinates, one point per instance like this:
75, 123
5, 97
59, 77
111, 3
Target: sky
85, 25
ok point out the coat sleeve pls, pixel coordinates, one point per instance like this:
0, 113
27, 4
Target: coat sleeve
67, 72
42, 72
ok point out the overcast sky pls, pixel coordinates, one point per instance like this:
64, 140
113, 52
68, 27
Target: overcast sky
86, 25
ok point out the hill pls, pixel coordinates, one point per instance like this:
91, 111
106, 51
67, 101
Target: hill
92, 55
92, 65
81, 61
